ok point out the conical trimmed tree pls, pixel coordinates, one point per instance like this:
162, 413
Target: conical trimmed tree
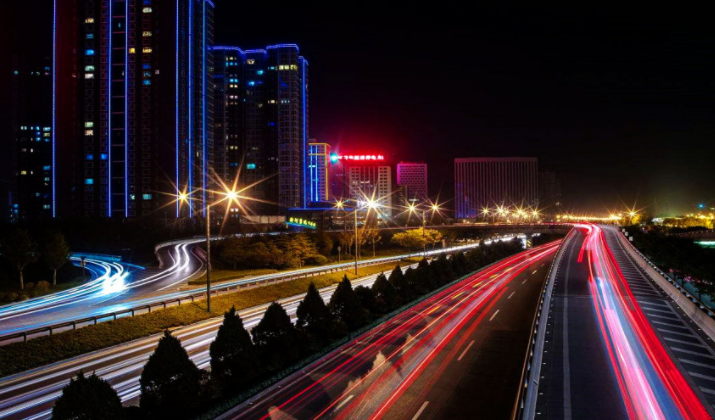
422, 276
399, 282
88, 398
276, 338
234, 359
385, 294
345, 306
366, 297
314, 316
170, 382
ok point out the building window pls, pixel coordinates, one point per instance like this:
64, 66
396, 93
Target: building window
89, 52
88, 132
88, 68
89, 20
146, 196
146, 10
146, 34
251, 166
89, 75
89, 124
132, 50
146, 49
89, 181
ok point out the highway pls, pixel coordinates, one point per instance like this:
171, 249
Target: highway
457, 354
31, 394
132, 288
615, 346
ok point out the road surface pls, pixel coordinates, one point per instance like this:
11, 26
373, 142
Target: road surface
615, 346
458, 353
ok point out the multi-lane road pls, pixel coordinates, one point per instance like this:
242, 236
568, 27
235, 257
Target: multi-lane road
457, 354
31, 394
615, 346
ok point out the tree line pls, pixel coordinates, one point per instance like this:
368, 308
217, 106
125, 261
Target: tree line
21, 250
172, 386
681, 256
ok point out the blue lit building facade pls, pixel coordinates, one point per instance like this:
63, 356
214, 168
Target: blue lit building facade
132, 106
31, 136
318, 172
261, 112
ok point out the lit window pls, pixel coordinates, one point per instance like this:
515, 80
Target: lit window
251, 83
89, 52
89, 75
132, 50
146, 49
251, 166
146, 66
46, 206
103, 156
146, 196
23, 172
89, 124
90, 36
259, 72
88, 132
89, 181
46, 167
46, 128
146, 10
146, 33
250, 61
90, 156
88, 68
89, 20
146, 82
293, 67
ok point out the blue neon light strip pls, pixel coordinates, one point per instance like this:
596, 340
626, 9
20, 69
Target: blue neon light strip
226, 48
126, 110
191, 101
305, 132
178, 124
203, 108
109, 112
54, 107
270, 47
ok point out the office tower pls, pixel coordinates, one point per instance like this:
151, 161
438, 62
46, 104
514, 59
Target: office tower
549, 190
263, 112
132, 106
31, 136
489, 182
369, 178
318, 172
414, 177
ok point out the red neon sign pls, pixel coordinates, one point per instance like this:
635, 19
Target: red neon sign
361, 157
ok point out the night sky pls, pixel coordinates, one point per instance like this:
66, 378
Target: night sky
619, 102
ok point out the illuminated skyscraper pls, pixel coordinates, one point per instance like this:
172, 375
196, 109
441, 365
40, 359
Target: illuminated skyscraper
318, 172
262, 124
31, 136
132, 106
488, 182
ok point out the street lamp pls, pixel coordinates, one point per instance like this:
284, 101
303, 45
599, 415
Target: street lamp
230, 196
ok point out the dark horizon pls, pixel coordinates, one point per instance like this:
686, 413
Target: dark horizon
617, 102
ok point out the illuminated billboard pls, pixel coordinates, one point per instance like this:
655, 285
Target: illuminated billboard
334, 158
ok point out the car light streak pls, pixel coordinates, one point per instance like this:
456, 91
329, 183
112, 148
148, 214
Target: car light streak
651, 386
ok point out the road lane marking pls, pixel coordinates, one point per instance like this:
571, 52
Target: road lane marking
701, 376
465, 351
434, 309
524, 281
512, 294
495, 314
345, 401
533, 272
565, 339
417, 414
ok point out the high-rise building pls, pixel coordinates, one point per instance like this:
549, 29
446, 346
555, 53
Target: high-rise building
549, 190
489, 182
413, 176
262, 109
31, 135
318, 172
369, 177
132, 107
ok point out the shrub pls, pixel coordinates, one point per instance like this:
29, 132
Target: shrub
10, 297
41, 288
234, 360
276, 338
316, 260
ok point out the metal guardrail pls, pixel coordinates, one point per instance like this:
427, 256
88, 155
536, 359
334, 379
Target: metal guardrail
147, 308
703, 307
519, 404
